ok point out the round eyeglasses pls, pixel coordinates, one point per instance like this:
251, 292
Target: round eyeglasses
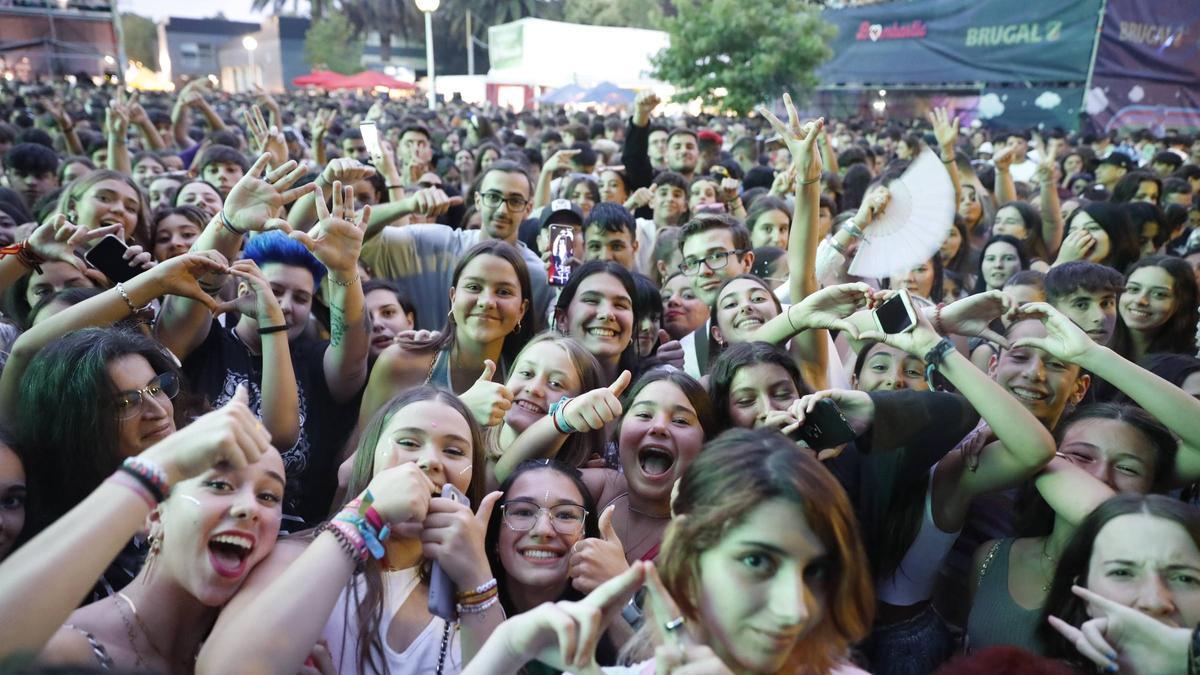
522, 516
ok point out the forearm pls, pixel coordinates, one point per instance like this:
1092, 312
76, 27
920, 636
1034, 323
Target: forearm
346, 356
11, 271
1070, 491
276, 632
45, 580
180, 121
477, 628
540, 440
1052, 220
319, 154
150, 133
948, 161
71, 139
214, 120
494, 656
828, 156
280, 405
635, 155
118, 154
383, 215
303, 214
1005, 190
541, 194
810, 348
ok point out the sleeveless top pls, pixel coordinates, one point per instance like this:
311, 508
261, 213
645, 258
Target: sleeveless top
914, 578
103, 660
439, 370
420, 658
996, 619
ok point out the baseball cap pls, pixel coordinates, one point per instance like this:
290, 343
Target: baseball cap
562, 211
1120, 159
986, 148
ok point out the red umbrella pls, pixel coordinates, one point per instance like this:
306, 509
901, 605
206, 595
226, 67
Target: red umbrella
369, 79
319, 78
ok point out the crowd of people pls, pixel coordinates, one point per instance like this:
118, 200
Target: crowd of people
587, 392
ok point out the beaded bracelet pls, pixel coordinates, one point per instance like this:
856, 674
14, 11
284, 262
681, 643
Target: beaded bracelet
347, 284
482, 590
558, 416
479, 608
149, 474
129, 303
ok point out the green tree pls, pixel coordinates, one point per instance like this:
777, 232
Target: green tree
141, 39
631, 13
331, 43
753, 49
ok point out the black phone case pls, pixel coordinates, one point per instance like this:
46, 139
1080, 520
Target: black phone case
825, 427
106, 257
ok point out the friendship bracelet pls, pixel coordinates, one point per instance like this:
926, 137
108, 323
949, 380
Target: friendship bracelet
475, 598
25, 255
482, 589
480, 608
343, 285
124, 480
347, 542
229, 226
149, 475
272, 329
374, 537
364, 507
557, 415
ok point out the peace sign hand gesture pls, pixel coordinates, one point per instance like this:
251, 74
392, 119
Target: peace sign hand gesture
337, 238
800, 140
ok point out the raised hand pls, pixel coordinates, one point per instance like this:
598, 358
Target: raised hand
260, 303
402, 495
58, 112
593, 410
193, 92
255, 204
559, 161
640, 197
137, 114
973, 315
265, 139
57, 239
1064, 340
784, 182
385, 163
116, 118
800, 140
488, 401
179, 275
337, 238
945, 130
346, 170
229, 434
431, 202
595, 561
1003, 158
873, 205
321, 124
730, 189
829, 308
453, 536
916, 342
643, 107
1079, 244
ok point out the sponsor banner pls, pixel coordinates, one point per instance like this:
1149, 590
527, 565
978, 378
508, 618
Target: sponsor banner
962, 41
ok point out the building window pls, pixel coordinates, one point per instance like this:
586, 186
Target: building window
196, 54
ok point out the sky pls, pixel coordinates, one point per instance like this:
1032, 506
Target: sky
237, 10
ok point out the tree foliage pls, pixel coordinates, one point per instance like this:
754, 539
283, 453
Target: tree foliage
754, 49
331, 43
141, 39
630, 13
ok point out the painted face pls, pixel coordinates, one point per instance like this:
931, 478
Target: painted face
538, 557
886, 368
669, 204
700, 246
1095, 313
218, 526
683, 153
1103, 244
201, 195
109, 202
147, 423
660, 435
222, 175
702, 192
435, 437
683, 311
487, 300
1010, 222
293, 287
612, 188
770, 229
619, 247
951, 246
501, 220
12, 499
388, 319
1150, 564
744, 307
1000, 261
55, 277
1149, 299
1113, 452
918, 280
146, 169
174, 237
1040, 382
757, 390
541, 376
763, 588
600, 316
582, 196
162, 192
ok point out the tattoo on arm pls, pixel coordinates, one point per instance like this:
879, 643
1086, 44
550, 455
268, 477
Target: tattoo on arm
337, 325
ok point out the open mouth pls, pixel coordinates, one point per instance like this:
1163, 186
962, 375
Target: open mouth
541, 556
748, 322
1139, 314
1031, 395
530, 406
655, 462
600, 332
228, 553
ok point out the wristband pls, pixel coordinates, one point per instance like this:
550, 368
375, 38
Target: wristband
347, 540
937, 319
149, 475
125, 480
833, 242
393, 187
25, 255
129, 303
934, 358
272, 329
229, 226
347, 284
559, 418
853, 229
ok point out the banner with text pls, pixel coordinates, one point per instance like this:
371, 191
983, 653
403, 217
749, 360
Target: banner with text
962, 41
1147, 71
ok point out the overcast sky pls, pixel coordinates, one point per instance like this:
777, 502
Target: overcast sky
238, 10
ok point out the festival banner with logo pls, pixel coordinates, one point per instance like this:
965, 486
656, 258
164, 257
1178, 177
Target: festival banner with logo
962, 41
1147, 71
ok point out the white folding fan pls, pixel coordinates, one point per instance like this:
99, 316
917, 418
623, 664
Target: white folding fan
915, 223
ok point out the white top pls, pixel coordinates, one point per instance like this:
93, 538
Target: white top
421, 657
913, 580
647, 237
647, 668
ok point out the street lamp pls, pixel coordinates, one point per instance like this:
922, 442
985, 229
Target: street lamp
251, 44
429, 7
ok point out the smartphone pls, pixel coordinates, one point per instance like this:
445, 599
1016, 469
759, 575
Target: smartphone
370, 134
107, 256
824, 427
441, 587
562, 249
896, 315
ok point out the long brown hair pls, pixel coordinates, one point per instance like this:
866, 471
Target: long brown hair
368, 606
733, 476
76, 189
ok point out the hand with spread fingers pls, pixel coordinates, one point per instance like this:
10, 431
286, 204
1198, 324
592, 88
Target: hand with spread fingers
337, 238
259, 301
256, 204
264, 138
1064, 340
179, 275
945, 130
57, 239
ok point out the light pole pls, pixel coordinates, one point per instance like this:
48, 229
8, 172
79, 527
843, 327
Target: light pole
251, 44
429, 7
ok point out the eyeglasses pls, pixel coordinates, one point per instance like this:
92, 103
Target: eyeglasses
494, 199
131, 403
715, 261
522, 516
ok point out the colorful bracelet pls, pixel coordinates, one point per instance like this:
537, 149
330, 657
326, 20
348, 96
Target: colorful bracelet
150, 475
558, 416
27, 256
483, 589
124, 480
479, 608
354, 547
357, 516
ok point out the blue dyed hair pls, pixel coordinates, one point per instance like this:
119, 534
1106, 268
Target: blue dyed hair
277, 247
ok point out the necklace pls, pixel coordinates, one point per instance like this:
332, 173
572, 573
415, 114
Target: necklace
1053, 560
626, 538
137, 653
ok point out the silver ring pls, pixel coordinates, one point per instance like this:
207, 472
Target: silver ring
674, 624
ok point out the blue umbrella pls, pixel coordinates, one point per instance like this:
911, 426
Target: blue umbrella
610, 94
571, 93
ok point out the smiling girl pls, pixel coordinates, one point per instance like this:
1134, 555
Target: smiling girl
596, 308
108, 198
1157, 310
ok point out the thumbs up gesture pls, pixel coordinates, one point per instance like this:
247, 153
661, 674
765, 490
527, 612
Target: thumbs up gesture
595, 561
453, 536
598, 407
488, 401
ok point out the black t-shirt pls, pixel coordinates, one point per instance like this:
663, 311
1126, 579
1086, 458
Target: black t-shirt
223, 361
